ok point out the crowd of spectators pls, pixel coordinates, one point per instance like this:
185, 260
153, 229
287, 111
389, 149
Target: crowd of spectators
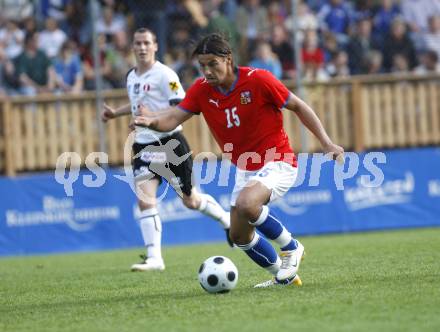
46, 45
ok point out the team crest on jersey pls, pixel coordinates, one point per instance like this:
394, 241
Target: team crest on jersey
136, 88
174, 86
245, 97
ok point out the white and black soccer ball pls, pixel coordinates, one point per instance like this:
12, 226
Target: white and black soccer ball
218, 274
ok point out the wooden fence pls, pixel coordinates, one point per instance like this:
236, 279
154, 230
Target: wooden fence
359, 113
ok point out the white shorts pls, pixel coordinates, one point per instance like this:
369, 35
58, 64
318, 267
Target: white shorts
277, 176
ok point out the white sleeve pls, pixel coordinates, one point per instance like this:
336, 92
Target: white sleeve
171, 86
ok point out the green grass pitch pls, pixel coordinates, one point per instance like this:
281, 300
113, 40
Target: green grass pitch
381, 281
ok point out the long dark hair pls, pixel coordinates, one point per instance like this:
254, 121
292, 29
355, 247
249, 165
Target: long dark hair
213, 43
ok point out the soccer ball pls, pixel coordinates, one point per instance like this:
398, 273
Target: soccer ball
218, 274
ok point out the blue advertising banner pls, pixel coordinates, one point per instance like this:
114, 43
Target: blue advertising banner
378, 190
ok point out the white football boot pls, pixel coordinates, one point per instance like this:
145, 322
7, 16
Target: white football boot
296, 281
290, 261
149, 264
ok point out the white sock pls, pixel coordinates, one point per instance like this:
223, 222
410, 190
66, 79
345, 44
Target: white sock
209, 207
273, 269
151, 228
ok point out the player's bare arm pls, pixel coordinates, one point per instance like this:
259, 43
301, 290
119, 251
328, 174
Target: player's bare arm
164, 120
111, 113
309, 118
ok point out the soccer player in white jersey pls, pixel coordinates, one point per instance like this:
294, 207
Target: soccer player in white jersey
154, 84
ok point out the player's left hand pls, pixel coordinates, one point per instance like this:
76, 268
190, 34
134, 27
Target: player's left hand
335, 151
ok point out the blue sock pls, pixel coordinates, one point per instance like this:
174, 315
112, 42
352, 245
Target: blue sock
292, 245
261, 252
273, 229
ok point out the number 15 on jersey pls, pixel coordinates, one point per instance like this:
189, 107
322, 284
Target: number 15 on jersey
232, 117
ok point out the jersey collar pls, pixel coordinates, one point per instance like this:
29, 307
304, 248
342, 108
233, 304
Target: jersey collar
231, 88
147, 71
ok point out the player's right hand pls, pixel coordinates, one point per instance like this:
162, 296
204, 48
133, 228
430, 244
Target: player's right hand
108, 113
335, 152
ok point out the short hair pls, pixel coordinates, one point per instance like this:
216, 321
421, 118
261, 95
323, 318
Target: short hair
213, 43
146, 30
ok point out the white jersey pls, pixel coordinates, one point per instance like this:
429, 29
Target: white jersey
155, 89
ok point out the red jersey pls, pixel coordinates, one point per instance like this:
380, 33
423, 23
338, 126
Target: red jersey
248, 117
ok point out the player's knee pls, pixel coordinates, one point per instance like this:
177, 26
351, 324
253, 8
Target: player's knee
235, 236
248, 207
239, 237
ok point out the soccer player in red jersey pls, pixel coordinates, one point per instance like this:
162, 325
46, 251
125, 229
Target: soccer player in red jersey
243, 109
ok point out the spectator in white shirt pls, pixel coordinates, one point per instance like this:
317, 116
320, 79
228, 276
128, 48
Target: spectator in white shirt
306, 20
417, 12
16, 9
431, 39
12, 37
52, 38
110, 23
428, 64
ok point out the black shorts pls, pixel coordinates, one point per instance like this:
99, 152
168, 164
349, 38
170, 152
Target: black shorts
164, 159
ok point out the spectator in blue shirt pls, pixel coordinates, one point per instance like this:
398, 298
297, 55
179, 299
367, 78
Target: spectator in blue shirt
385, 15
56, 9
68, 69
316, 5
266, 59
336, 17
